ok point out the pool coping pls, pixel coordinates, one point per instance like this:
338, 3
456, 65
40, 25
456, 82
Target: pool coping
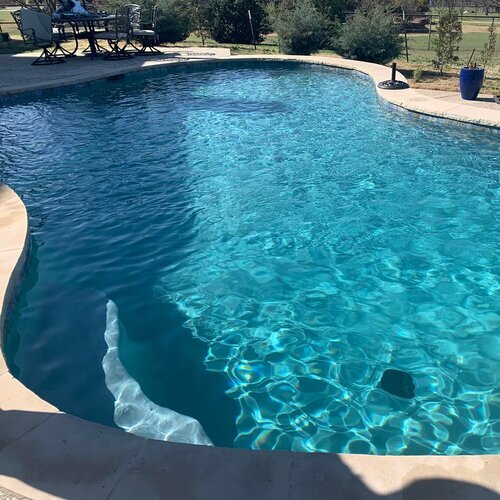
132, 466
409, 99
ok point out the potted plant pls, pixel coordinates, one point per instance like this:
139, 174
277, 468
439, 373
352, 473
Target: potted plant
472, 76
471, 81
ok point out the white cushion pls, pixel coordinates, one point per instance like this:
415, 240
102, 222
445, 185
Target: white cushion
144, 32
109, 35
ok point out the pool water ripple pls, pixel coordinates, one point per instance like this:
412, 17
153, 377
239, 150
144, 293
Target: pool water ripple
307, 237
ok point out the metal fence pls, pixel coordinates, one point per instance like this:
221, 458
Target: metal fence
420, 31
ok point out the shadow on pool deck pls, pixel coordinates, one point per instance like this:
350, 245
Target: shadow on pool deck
17, 73
66, 457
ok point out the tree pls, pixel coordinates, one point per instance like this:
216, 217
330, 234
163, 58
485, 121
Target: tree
300, 27
334, 10
449, 35
490, 45
229, 22
371, 35
174, 18
334, 14
199, 14
410, 6
174, 21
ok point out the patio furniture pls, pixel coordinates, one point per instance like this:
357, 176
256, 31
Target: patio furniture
59, 36
85, 26
36, 27
93, 6
148, 35
122, 32
134, 14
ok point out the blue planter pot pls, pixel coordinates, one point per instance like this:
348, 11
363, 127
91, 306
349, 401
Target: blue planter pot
471, 81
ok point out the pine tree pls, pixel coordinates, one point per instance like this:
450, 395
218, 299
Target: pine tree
449, 35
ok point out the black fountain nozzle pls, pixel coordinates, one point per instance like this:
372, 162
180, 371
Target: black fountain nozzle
393, 84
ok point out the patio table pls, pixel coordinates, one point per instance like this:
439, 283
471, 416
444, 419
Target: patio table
86, 21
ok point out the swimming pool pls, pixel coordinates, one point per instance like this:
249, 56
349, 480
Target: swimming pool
259, 242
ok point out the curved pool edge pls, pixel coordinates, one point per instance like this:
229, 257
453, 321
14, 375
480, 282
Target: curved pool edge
406, 99
14, 250
46, 453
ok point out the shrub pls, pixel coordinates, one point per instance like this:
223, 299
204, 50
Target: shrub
417, 74
371, 36
449, 34
301, 28
174, 21
174, 17
229, 23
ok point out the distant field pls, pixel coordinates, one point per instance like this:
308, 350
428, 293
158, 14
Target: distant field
418, 46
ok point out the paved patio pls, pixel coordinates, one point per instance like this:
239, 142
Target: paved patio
17, 74
483, 101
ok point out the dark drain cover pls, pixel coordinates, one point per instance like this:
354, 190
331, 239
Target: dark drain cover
398, 383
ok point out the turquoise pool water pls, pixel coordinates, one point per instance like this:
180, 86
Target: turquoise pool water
236, 253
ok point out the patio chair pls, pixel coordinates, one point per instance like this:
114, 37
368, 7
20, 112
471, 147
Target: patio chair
134, 14
95, 7
122, 32
36, 28
59, 35
148, 35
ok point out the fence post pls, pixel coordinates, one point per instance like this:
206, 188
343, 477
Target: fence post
251, 28
406, 37
430, 31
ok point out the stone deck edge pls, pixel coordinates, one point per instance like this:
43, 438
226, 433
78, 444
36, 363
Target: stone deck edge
380, 474
408, 99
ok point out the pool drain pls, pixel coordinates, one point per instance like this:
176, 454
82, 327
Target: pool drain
398, 383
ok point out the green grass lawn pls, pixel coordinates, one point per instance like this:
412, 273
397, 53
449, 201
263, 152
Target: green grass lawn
16, 43
418, 47
269, 45
420, 56
6, 17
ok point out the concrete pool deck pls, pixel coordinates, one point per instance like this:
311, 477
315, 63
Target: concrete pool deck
45, 453
17, 76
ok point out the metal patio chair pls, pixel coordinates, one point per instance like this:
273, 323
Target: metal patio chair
36, 29
96, 7
59, 36
147, 35
122, 32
